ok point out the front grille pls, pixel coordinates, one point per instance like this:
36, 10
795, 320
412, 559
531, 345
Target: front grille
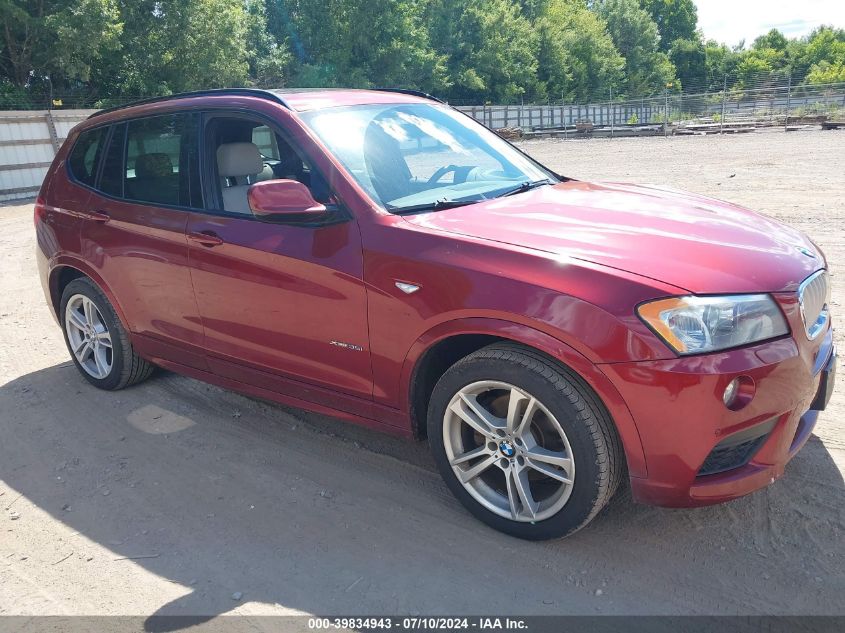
813, 298
737, 450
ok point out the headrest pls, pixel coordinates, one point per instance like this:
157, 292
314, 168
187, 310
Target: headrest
153, 166
239, 159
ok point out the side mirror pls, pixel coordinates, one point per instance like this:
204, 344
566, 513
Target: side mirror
283, 200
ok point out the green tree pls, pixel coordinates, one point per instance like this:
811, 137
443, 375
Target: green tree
826, 44
490, 48
675, 19
769, 61
363, 44
64, 39
533, 9
478, 50
175, 45
826, 72
720, 62
774, 39
647, 69
577, 59
755, 68
270, 59
690, 60
212, 50
823, 55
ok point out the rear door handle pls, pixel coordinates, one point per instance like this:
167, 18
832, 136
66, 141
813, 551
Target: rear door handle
97, 216
206, 238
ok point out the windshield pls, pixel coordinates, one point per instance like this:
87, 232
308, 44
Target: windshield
415, 157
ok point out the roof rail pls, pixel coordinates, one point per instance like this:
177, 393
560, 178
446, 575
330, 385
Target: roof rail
413, 93
250, 92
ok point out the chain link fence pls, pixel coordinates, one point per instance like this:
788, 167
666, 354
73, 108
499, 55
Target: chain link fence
725, 111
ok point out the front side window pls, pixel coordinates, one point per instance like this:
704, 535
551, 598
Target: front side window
242, 152
85, 155
413, 156
158, 153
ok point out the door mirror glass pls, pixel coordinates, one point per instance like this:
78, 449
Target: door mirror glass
283, 200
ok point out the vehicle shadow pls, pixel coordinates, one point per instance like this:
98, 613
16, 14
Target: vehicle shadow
225, 495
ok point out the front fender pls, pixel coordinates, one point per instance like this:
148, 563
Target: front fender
549, 345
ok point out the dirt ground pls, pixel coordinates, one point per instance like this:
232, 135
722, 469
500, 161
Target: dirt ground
176, 497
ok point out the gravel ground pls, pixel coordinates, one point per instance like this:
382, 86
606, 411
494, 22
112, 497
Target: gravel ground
176, 497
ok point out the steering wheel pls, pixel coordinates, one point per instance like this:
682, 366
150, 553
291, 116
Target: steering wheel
448, 169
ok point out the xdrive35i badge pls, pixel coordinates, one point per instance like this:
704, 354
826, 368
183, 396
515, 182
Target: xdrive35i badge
350, 346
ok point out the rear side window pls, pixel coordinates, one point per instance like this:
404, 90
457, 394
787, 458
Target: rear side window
85, 155
158, 153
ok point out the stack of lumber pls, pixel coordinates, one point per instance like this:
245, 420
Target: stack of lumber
510, 133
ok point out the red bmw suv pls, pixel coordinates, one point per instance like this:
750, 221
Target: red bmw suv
381, 257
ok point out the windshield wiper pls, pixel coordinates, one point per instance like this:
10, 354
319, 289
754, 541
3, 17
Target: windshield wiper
525, 186
437, 205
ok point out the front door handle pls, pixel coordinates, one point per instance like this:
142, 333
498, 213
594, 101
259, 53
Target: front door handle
206, 238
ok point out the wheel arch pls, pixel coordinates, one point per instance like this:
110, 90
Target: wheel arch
64, 272
442, 346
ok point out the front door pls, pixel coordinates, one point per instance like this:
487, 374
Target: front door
283, 306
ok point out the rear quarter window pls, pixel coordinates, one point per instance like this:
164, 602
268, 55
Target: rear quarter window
265, 140
85, 155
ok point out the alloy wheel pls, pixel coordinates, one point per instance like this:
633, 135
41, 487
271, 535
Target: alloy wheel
508, 451
89, 338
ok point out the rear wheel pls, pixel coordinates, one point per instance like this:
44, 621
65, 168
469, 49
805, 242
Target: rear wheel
523, 443
96, 339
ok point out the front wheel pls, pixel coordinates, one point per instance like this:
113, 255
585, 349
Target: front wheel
523, 443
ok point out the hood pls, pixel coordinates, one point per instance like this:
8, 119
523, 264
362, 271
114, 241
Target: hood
690, 241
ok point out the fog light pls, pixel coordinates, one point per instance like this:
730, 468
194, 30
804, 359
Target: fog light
739, 392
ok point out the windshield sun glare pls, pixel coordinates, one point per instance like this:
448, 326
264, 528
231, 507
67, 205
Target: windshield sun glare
418, 157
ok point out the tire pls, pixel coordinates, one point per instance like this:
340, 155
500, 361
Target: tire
561, 432
107, 360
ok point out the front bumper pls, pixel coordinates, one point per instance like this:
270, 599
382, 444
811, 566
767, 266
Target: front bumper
680, 416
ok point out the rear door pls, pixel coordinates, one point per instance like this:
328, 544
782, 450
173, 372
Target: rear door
134, 234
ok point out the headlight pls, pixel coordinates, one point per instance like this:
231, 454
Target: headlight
693, 325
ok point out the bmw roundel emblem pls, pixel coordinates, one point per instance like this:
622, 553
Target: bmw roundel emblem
507, 448
806, 251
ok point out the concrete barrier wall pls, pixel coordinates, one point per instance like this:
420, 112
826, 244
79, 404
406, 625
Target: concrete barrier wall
28, 142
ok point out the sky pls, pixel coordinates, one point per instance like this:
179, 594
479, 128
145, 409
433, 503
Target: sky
730, 21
